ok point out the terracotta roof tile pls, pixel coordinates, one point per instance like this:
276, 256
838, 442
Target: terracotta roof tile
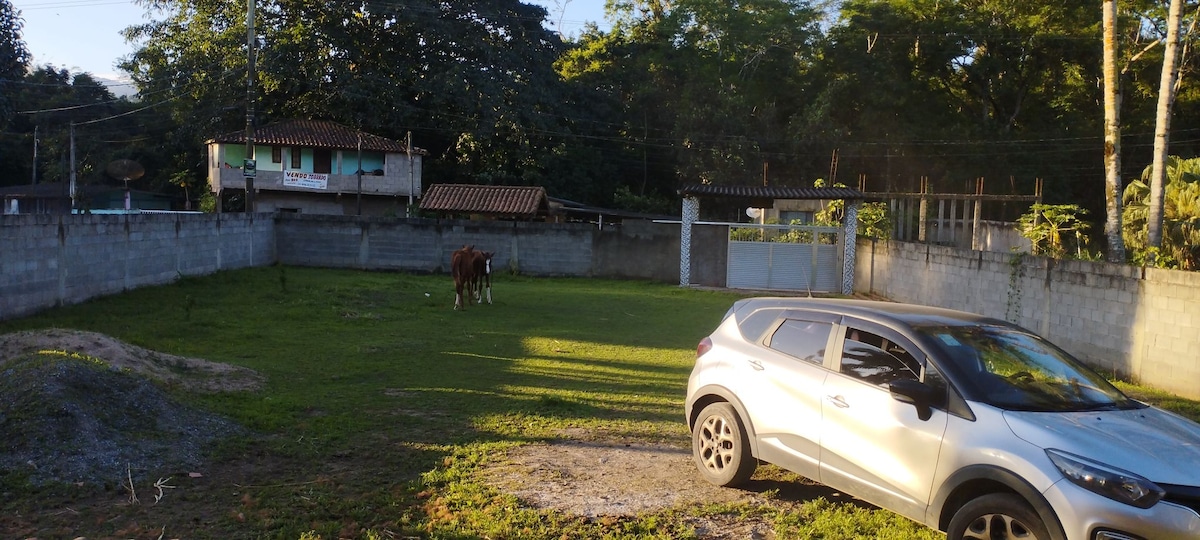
767, 192
518, 201
316, 134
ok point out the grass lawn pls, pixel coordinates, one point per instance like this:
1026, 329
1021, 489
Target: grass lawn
381, 402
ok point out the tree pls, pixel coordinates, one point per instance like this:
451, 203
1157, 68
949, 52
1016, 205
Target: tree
1112, 137
14, 58
705, 90
1162, 123
1055, 230
954, 91
472, 80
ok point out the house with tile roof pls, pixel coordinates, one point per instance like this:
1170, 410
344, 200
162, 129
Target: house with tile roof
318, 167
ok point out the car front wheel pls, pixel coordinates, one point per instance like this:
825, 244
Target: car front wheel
721, 447
998, 516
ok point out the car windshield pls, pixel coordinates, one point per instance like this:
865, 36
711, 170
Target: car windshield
1013, 369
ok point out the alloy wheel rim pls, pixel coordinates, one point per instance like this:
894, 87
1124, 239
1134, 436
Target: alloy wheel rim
716, 444
998, 527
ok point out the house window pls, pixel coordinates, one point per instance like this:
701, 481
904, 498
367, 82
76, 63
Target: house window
295, 157
322, 161
276, 154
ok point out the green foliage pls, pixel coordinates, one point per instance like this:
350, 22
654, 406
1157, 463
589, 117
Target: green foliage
875, 220
14, 58
52, 100
647, 204
208, 202
1056, 230
1181, 217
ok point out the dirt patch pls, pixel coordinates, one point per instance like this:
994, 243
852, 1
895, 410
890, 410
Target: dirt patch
194, 374
598, 478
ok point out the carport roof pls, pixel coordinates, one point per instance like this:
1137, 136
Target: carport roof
770, 192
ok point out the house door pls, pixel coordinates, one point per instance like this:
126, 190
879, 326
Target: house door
322, 161
785, 257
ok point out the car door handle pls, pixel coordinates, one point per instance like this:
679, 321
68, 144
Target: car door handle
837, 401
756, 364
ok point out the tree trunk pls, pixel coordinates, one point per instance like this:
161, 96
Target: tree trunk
1162, 125
1112, 137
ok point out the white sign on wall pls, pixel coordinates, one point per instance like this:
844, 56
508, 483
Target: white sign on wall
305, 180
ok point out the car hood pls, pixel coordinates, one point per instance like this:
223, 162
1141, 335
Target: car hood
1155, 444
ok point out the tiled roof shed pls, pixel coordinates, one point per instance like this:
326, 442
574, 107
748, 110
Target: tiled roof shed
497, 201
316, 134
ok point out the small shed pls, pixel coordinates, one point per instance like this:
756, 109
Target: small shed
487, 202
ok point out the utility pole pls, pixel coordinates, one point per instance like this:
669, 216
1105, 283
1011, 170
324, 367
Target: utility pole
73, 167
35, 143
411, 182
359, 173
249, 167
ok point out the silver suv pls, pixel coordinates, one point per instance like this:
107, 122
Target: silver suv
967, 424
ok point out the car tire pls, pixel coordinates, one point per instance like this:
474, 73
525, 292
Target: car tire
721, 447
997, 516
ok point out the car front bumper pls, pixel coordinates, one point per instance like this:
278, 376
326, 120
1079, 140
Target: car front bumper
1083, 513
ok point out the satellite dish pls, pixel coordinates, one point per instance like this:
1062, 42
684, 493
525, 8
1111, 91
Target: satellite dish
753, 212
125, 170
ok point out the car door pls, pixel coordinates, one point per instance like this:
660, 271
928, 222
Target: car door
785, 400
873, 446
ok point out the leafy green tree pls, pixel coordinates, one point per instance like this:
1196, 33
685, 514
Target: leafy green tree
106, 129
958, 90
1056, 230
473, 80
1181, 216
704, 89
14, 57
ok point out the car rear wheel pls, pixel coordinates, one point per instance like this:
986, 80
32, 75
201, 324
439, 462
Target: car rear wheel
721, 447
998, 516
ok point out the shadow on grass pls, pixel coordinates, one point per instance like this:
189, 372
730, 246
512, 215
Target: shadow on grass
373, 382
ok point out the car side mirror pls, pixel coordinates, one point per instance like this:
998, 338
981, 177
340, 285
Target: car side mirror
917, 393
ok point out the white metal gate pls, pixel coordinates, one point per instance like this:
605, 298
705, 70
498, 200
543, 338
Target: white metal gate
785, 257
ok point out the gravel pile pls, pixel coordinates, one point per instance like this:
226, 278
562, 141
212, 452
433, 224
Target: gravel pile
70, 418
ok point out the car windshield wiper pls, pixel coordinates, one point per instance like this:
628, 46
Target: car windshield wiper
1110, 406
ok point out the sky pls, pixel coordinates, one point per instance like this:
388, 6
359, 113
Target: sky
85, 35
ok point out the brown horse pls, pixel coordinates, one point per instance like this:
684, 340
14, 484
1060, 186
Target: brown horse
481, 266
463, 269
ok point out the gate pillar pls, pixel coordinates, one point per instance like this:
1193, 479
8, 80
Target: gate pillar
691, 213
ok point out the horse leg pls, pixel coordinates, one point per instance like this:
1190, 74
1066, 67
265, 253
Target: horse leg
487, 275
458, 296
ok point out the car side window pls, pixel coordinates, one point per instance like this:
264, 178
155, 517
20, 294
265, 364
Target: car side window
805, 340
876, 360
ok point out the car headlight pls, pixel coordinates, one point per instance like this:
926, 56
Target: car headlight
1116, 484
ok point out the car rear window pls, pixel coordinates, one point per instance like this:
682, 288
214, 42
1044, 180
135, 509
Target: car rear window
805, 340
753, 325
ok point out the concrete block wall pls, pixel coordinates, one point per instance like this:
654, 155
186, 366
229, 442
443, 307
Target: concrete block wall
637, 251
1142, 323
51, 260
